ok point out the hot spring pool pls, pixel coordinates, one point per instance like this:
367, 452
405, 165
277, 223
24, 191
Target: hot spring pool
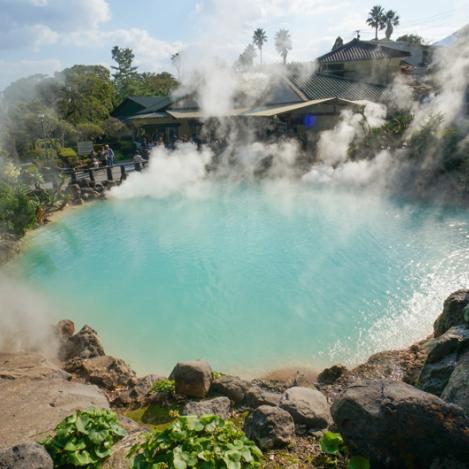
251, 278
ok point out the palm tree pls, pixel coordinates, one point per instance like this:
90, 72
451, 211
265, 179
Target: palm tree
283, 44
259, 38
392, 19
376, 19
176, 60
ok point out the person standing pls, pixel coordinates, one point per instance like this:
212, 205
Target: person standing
109, 156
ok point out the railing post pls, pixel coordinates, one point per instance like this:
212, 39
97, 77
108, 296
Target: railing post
91, 173
123, 172
109, 173
138, 166
73, 176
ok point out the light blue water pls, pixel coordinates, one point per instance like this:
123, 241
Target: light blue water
251, 278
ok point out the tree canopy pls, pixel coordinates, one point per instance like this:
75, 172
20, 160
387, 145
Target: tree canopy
259, 38
283, 43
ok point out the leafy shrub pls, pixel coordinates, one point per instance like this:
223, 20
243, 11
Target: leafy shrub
17, 209
167, 386
84, 439
201, 442
69, 156
216, 374
332, 444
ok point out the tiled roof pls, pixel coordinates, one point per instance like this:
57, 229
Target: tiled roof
360, 50
323, 86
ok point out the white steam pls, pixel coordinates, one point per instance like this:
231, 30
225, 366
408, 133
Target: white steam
26, 319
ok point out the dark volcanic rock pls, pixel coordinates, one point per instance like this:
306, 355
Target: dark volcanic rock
106, 372
193, 378
84, 344
457, 389
25, 456
220, 406
230, 386
455, 312
444, 352
270, 427
396, 425
307, 407
332, 374
136, 394
256, 396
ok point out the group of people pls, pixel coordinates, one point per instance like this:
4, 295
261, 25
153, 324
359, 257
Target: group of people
105, 157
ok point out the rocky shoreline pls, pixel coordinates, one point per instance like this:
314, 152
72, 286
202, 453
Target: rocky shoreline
405, 408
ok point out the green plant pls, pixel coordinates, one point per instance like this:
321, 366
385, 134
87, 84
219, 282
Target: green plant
332, 444
84, 439
206, 442
216, 374
167, 386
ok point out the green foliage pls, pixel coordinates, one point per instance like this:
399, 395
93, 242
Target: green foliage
411, 39
333, 446
216, 374
201, 442
69, 156
84, 439
331, 443
164, 385
17, 209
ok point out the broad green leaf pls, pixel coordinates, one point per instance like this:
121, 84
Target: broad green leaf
358, 462
331, 443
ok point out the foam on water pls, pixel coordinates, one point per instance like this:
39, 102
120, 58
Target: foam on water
251, 277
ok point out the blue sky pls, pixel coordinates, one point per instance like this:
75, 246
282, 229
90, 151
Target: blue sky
44, 36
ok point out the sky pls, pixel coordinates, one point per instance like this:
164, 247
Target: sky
45, 36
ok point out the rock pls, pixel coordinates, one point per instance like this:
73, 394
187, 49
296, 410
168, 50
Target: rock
307, 406
105, 371
457, 389
332, 374
36, 396
455, 312
25, 456
65, 328
230, 386
256, 396
270, 427
442, 359
120, 451
397, 425
136, 395
84, 344
220, 406
193, 378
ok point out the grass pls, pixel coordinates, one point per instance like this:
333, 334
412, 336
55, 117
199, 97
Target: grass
154, 416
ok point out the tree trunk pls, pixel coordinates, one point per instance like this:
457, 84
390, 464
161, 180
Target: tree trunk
376, 33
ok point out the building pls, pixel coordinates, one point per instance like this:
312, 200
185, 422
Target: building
290, 103
363, 61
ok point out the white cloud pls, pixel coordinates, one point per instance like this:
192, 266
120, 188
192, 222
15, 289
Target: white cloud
33, 23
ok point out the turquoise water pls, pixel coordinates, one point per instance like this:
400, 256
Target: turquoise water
251, 277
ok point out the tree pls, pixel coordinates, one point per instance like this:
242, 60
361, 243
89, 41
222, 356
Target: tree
157, 84
125, 76
392, 19
246, 59
283, 43
259, 38
411, 39
376, 19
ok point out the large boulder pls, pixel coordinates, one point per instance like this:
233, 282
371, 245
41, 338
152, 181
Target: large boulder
231, 387
307, 406
105, 371
457, 389
36, 395
455, 312
193, 378
443, 355
220, 406
270, 427
84, 344
25, 456
397, 425
256, 396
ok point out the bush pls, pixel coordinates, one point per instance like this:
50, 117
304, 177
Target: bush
201, 442
164, 385
17, 209
69, 156
84, 439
